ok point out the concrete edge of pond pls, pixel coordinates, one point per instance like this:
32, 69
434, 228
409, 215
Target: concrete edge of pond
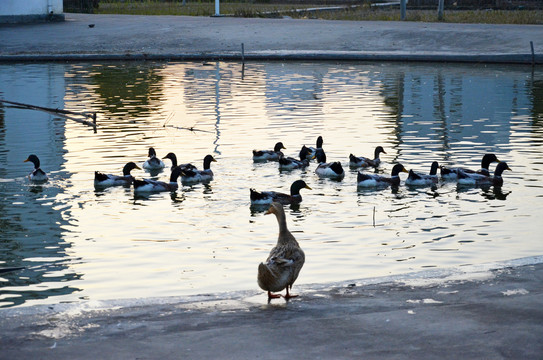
477, 311
523, 59
90, 37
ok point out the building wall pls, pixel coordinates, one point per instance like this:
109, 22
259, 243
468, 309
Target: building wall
14, 11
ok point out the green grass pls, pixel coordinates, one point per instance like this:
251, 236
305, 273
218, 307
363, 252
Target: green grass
251, 9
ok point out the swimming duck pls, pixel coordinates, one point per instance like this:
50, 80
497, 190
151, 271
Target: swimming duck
452, 173
332, 170
268, 155
375, 180
267, 197
360, 161
418, 179
481, 179
101, 179
149, 185
312, 151
289, 163
37, 175
173, 158
153, 163
284, 262
193, 176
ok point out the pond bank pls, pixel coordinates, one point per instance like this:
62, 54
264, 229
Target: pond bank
128, 37
485, 311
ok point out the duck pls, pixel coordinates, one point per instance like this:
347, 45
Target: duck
312, 151
286, 259
194, 176
481, 179
452, 173
37, 175
153, 163
289, 163
418, 179
173, 159
268, 155
332, 170
104, 180
149, 185
267, 197
364, 162
375, 180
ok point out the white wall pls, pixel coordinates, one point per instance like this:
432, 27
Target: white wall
30, 7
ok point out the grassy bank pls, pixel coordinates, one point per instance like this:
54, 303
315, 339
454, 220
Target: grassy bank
364, 12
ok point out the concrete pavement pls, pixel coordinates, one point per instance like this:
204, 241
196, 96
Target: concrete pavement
120, 37
480, 312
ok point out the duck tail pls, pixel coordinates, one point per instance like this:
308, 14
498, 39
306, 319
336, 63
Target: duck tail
98, 176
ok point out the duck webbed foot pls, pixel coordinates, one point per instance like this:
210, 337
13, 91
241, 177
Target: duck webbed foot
273, 296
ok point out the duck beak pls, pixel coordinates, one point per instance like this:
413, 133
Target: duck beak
268, 211
26, 160
508, 168
307, 187
213, 160
137, 167
405, 171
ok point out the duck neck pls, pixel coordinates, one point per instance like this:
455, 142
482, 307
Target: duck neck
284, 233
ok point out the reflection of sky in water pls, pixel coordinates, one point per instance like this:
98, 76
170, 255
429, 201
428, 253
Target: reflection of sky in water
78, 242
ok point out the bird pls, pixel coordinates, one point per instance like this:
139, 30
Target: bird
267, 197
153, 163
268, 155
375, 180
332, 170
360, 161
104, 180
149, 185
173, 158
289, 163
195, 175
312, 151
481, 179
284, 262
452, 173
37, 175
418, 179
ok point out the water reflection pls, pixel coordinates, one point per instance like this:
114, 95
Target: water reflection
70, 237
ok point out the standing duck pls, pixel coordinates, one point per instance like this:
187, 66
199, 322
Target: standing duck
37, 175
375, 180
452, 173
289, 163
268, 155
104, 180
364, 162
481, 179
149, 185
173, 159
195, 175
418, 179
332, 170
267, 197
284, 262
153, 163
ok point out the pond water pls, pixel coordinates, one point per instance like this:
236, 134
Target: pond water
78, 243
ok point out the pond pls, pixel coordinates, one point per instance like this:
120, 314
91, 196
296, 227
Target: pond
77, 243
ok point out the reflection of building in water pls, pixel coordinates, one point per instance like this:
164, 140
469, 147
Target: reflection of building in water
446, 109
31, 233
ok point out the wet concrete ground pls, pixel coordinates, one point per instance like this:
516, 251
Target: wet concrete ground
492, 312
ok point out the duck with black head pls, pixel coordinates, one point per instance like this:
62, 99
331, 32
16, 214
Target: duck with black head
37, 175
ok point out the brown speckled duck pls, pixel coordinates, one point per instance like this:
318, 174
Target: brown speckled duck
284, 262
